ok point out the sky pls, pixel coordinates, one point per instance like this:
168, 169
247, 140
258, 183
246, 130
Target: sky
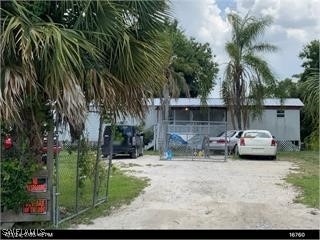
295, 24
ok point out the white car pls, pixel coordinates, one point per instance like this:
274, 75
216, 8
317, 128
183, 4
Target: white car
256, 143
218, 142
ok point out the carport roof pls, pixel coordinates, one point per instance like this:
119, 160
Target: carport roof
218, 102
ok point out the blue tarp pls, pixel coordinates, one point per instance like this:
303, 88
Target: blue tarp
177, 138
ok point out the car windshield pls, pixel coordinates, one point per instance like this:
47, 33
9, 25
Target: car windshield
126, 130
123, 129
229, 134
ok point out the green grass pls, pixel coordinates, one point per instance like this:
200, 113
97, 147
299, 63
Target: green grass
307, 176
67, 186
122, 190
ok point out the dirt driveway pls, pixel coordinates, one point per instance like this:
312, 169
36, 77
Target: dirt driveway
213, 195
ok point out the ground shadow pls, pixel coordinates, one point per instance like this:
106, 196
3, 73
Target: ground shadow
257, 158
121, 157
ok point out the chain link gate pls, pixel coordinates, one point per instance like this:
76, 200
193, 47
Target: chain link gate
192, 140
81, 176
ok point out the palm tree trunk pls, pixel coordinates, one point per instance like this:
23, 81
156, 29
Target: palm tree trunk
238, 105
166, 102
232, 117
165, 115
238, 89
245, 116
33, 133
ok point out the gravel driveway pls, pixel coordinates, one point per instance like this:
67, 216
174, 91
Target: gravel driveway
210, 195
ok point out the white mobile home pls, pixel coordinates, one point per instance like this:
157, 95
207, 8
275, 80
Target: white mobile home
282, 119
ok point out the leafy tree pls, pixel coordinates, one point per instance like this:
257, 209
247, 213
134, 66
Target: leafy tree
247, 72
310, 57
190, 70
283, 89
192, 61
309, 93
310, 90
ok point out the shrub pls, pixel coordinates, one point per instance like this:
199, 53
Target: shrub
148, 136
14, 178
87, 161
312, 141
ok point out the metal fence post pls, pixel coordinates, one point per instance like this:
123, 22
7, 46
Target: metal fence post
50, 171
57, 172
109, 167
77, 177
54, 217
155, 137
225, 143
110, 157
96, 176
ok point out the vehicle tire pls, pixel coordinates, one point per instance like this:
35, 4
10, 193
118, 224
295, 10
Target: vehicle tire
134, 153
232, 150
273, 157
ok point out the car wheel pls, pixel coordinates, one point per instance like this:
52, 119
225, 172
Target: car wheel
134, 154
230, 150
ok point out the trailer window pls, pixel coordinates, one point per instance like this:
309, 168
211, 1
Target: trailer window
280, 113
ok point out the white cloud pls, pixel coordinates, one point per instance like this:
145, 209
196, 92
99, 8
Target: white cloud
296, 23
201, 20
289, 14
297, 34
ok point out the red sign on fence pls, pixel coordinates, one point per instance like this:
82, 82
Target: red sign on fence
38, 206
38, 184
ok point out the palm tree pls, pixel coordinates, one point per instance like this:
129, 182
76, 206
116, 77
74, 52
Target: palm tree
310, 92
246, 72
75, 53
40, 65
310, 89
175, 84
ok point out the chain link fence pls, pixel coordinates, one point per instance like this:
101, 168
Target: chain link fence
81, 175
192, 140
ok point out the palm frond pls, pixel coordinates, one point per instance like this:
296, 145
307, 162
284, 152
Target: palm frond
263, 47
113, 53
246, 73
253, 29
48, 57
233, 51
261, 67
311, 91
236, 22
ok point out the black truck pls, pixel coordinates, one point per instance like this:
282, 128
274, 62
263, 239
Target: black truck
127, 140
